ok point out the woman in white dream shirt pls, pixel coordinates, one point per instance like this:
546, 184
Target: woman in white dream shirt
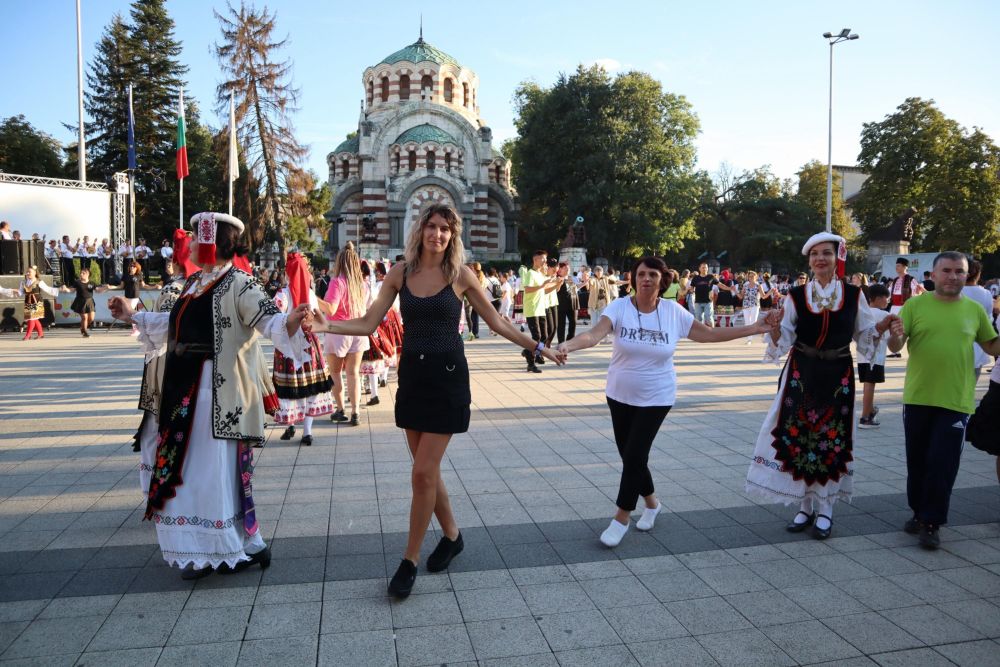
642, 383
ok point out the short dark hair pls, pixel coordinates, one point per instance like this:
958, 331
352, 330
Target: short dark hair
876, 291
903, 261
975, 270
227, 242
950, 255
657, 264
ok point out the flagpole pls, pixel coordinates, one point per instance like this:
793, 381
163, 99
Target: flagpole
232, 148
132, 166
81, 148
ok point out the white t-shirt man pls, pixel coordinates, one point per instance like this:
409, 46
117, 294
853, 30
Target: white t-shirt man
166, 252
641, 372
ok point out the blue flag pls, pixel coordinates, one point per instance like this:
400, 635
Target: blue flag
131, 131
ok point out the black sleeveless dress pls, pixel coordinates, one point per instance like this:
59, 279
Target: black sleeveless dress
433, 394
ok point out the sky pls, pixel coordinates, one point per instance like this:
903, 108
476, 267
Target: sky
755, 73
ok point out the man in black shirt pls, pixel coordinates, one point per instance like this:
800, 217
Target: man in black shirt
928, 282
705, 290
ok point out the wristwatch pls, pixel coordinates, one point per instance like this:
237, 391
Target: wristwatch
539, 347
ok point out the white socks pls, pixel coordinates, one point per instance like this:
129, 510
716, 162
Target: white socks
373, 385
823, 507
614, 533
648, 517
307, 426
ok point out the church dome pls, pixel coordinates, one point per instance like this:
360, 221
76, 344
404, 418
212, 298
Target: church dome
419, 52
424, 133
349, 146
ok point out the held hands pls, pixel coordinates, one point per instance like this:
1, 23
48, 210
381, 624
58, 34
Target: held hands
121, 309
299, 316
557, 355
771, 323
895, 324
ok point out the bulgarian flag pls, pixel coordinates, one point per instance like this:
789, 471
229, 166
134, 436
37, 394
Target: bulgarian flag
182, 155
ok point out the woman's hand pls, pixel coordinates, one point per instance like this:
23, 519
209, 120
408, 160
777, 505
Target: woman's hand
559, 358
299, 316
121, 309
886, 324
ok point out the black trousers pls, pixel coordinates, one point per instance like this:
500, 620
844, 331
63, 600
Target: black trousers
550, 323
67, 270
144, 268
565, 320
107, 270
538, 328
84, 263
934, 440
635, 427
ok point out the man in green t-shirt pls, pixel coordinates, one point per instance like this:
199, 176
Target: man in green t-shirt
536, 285
938, 328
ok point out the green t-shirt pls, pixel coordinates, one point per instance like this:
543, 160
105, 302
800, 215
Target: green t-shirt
671, 292
940, 335
536, 301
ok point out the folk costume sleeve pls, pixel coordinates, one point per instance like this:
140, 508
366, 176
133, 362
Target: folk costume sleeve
257, 310
152, 328
775, 352
865, 335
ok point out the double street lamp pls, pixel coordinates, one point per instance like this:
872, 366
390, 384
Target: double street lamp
843, 36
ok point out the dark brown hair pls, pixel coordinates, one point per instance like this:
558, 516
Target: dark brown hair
227, 242
657, 264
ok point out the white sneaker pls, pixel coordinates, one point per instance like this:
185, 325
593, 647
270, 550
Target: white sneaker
614, 533
648, 517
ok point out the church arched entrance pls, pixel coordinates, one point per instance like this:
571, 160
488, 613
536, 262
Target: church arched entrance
420, 199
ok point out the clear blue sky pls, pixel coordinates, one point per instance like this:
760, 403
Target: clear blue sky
756, 73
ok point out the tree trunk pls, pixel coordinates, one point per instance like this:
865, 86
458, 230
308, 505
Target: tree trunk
271, 171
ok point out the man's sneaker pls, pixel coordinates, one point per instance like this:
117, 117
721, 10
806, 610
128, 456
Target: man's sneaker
912, 526
874, 411
929, 538
868, 422
444, 552
338, 416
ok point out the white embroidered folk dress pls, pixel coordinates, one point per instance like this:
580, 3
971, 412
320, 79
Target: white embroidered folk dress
203, 524
766, 479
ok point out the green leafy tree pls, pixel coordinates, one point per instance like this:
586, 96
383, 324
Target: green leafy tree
811, 194
26, 150
307, 202
264, 100
618, 151
919, 157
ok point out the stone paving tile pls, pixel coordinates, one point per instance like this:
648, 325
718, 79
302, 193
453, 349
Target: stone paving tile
224, 654
707, 615
283, 620
810, 642
55, 636
604, 656
681, 651
426, 609
744, 647
931, 625
644, 623
983, 653
507, 638
375, 648
914, 656
574, 630
871, 633
447, 644
290, 651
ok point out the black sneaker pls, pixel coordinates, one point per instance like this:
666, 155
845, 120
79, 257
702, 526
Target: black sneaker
444, 552
912, 526
354, 419
307, 440
402, 582
373, 401
338, 416
929, 538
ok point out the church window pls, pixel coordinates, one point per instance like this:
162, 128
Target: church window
413, 161
371, 92
345, 169
385, 89
397, 161
447, 162
465, 95
448, 90
427, 85
499, 176
430, 160
404, 87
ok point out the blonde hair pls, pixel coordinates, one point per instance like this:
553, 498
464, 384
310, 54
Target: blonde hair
348, 266
454, 254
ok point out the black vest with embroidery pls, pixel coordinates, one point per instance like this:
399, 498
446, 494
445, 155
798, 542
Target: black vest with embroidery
829, 329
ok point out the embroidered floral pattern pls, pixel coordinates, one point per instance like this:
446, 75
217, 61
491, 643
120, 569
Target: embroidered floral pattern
813, 437
196, 521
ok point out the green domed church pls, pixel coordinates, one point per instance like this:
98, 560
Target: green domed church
421, 140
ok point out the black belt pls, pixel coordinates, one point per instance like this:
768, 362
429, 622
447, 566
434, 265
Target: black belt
824, 355
181, 349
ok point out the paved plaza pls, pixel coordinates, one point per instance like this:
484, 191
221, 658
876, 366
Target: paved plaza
717, 581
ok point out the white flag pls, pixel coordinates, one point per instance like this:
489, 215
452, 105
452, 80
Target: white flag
234, 163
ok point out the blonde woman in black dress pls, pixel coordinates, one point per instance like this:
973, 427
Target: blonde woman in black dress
433, 399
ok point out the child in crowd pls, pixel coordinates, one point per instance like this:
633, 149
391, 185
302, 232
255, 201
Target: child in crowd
83, 304
874, 373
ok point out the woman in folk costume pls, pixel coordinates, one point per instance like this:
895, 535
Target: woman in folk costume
303, 392
147, 436
211, 404
381, 343
804, 452
32, 289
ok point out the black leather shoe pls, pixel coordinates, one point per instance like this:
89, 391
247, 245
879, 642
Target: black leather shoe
373, 401
799, 527
539, 359
190, 573
444, 552
402, 582
307, 440
929, 538
288, 434
821, 533
338, 416
262, 558
381, 382
354, 419
912, 526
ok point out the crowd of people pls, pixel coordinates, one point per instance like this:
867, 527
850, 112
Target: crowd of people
207, 387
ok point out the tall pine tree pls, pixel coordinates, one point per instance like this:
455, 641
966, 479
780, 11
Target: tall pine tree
264, 99
106, 101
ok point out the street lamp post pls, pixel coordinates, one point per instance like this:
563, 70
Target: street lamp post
843, 36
